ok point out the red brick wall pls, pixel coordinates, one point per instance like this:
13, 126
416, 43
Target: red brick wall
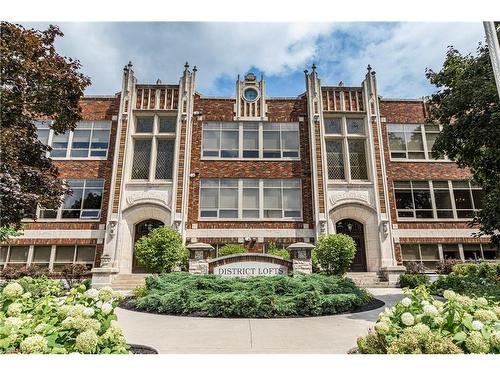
93, 109
223, 110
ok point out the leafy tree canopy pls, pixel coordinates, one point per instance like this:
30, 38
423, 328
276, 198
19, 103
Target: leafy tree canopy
467, 106
35, 83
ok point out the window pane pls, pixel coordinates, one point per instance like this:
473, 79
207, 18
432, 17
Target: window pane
142, 157
250, 140
472, 251
3, 254
450, 251
209, 198
85, 254
167, 125
357, 158
92, 199
410, 252
272, 198
74, 200
229, 144
43, 135
228, 214
431, 139
164, 159
48, 214
335, 160
404, 199
229, 198
477, 195
144, 124
272, 140
211, 140
81, 139
414, 137
100, 139
59, 145
19, 254
290, 140
251, 198
250, 214
292, 199
65, 254
429, 252
41, 254
355, 126
332, 126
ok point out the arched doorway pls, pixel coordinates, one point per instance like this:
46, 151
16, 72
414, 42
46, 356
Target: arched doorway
141, 229
355, 230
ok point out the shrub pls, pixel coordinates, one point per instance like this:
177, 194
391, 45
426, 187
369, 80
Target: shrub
161, 250
314, 262
10, 273
445, 266
471, 279
258, 297
335, 253
272, 249
231, 249
414, 268
75, 273
34, 318
421, 325
412, 280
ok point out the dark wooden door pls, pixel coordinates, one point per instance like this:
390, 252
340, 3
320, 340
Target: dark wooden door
141, 229
355, 230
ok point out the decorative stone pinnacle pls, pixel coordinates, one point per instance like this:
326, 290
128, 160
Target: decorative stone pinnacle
341, 84
369, 67
313, 67
186, 65
306, 71
195, 69
158, 81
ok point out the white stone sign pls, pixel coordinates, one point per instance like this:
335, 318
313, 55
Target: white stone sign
248, 269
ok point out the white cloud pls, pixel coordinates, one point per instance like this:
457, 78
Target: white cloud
398, 52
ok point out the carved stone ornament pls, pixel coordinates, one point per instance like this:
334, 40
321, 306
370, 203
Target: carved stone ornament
161, 197
357, 195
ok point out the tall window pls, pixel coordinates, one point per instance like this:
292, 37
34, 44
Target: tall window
265, 199
84, 202
90, 139
426, 254
154, 145
250, 140
437, 199
345, 140
412, 141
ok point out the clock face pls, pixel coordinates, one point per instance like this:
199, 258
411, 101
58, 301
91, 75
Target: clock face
250, 95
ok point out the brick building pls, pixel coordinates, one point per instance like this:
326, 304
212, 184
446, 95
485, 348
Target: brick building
253, 169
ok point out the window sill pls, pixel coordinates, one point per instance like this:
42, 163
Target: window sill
97, 220
420, 161
249, 220
81, 159
349, 183
412, 220
149, 183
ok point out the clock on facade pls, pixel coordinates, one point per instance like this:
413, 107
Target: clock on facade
250, 94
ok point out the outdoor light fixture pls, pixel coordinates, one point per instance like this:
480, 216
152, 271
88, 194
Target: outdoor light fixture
349, 227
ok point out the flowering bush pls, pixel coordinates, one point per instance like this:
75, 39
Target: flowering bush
36, 318
421, 325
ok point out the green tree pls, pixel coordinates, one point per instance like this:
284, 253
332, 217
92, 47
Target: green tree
467, 106
335, 253
35, 82
161, 250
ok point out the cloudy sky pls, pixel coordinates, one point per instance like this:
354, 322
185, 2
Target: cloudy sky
398, 52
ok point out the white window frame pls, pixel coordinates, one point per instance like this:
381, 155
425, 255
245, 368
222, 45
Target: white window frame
421, 260
426, 151
60, 208
261, 129
433, 201
344, 137
70, 142
261, 207
154, 136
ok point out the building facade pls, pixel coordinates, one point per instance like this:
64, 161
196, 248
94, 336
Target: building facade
254, 170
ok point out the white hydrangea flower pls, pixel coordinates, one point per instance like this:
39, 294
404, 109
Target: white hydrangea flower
26, 295
107, 308
34, 344
477, 325
13, 321
388, 312
438, 304
439, 320
92, 293
86, 342
430, 310
99, 304
382, 328
12, 290
449, 294
425, 302
88, 312
482, 301
14, 309
407, 319
106, 294
406, 301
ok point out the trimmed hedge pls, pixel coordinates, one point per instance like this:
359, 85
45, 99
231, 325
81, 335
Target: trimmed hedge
180, 293
412, 280
231, 249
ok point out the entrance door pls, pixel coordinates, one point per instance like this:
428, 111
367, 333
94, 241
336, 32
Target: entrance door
141, 229
355, 230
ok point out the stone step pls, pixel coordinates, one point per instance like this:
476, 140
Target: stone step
367, 279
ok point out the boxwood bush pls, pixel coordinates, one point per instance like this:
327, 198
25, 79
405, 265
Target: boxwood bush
180, 293
335, 253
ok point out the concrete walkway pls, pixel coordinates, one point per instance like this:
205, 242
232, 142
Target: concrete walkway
184, 335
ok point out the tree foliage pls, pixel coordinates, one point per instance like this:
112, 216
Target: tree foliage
230, 249
467, 106
35, 83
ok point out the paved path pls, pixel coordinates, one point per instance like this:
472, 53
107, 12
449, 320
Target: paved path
184, 335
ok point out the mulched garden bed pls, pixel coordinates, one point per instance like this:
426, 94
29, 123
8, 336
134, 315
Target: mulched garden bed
142, 349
